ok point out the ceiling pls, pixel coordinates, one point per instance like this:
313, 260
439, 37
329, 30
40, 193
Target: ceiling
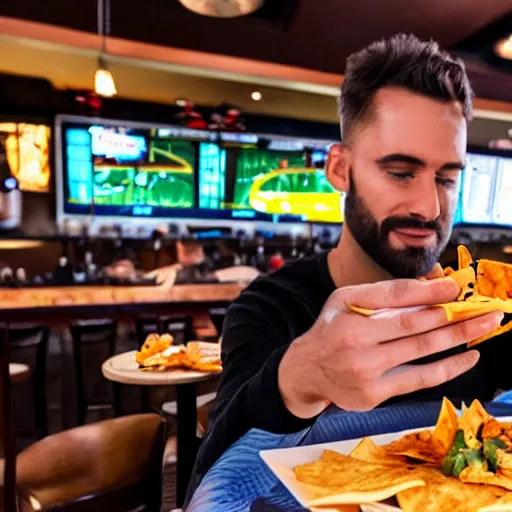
312, 34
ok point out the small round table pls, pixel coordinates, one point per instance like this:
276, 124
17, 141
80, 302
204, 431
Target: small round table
123, 368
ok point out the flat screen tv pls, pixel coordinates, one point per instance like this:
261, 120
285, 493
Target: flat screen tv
486, 190
119, 169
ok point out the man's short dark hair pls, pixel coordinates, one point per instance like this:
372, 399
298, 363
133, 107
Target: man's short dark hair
401, 61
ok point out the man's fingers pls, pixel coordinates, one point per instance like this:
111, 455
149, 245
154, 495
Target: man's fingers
415, 347
410, 378
424, 323
397, 293
392, 325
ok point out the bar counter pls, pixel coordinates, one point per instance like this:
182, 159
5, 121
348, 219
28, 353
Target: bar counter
83, 296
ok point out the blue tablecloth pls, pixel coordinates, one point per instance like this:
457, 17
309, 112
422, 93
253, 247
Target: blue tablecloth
240, 481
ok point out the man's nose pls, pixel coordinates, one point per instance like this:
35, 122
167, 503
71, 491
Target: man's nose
425, 203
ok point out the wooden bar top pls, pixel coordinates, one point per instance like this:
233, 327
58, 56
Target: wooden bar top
56, 297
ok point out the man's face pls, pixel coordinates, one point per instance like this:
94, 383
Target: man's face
402, 176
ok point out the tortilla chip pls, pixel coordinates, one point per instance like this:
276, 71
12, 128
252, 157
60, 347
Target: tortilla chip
494, 279
418, 445
504, 504
446, 427
171, 357
361, 311
475, 475
464, 256
459, 311
368, 451
500, 330
494, 428
485, 290
346, 480
471, 420
448, 495
203, 356
153, 345
466, 279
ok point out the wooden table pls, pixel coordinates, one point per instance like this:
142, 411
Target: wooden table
124, 369
62, 305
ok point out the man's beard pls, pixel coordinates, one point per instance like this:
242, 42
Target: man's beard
410, 262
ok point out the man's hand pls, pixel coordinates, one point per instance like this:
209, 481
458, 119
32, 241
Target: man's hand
358, 362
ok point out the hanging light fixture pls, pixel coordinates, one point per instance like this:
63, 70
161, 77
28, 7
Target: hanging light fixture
104, 84
503, 48
223, 8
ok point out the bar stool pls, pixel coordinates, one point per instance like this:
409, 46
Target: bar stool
29, 346
180, 327
145, 325
93, 342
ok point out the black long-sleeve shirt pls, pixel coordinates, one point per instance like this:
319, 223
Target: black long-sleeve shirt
259, 327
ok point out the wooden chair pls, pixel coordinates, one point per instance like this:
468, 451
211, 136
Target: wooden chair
180, 327
113, 465
28, 345
93, 342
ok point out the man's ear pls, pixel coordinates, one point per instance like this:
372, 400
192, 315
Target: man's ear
338, 168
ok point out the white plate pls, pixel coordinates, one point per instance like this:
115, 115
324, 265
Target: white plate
282, 461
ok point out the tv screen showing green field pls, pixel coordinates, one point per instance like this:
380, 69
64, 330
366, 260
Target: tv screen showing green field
123, 169
163, 177
114, 167
286, 183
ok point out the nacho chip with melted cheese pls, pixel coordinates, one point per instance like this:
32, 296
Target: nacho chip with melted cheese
474, 475
153, 345
485, 287
376, 473
159, 354
472, 422
419, 446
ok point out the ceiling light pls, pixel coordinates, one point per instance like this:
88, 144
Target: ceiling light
256, 95
180, 102
222, 8
104, 84
503, 48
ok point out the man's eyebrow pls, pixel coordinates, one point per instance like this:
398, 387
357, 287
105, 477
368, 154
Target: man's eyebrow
401, 158
453, 166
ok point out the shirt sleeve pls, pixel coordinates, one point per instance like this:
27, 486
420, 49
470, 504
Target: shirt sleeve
254, 341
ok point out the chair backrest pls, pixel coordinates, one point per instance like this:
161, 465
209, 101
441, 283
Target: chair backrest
28, 344
180, 327
113, 465
94, 341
